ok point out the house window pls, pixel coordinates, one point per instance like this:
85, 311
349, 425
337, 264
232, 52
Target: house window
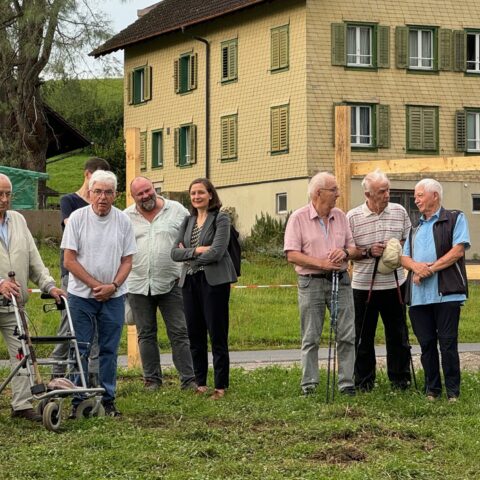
185, 145
281, 203
473, 52
420, 48
476, 203
422, 129
406, 198
279, 48
473, 131
143, 151
361, 126
279, 129
140, 85
229, 60
359, 46
228, 134
157, 149
185, 73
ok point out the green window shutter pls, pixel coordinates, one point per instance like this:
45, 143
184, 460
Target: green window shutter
224, 149
283, 48
193, 145
383, 46
229, 137
383, 126
275, 129
339, 44
147, 86
233, 136
143, 150
193, 72
176, 147
415, 136
445, 49
401, 47
459, 50
130, 88
283, 128
225, 62
275, 50
176, 75
430, 128
232, 61
460, 131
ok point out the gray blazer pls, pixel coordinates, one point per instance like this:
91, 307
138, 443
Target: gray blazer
216, 262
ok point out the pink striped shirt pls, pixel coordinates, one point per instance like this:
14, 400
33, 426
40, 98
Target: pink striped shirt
306, 234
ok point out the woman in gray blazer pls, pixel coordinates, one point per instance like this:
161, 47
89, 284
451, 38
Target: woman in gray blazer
207, 274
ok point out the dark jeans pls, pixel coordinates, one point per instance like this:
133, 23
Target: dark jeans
438, 322
206, 310
385, 303
144, 311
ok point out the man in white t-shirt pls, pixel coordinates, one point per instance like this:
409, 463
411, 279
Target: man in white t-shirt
98, 245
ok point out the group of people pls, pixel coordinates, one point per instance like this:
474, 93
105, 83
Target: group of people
155, 254
321, 239
159, 256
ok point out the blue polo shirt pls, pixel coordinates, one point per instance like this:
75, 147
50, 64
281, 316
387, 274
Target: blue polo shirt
4, 229
424, 251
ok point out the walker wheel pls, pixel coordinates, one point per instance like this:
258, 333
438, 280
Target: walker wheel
90, 408
52, 417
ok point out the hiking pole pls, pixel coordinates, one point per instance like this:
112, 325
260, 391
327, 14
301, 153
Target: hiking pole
367, 303
404, 315
332, 336
39, 386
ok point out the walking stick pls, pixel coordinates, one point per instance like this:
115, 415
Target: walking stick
39, 386
332, 336
404, 314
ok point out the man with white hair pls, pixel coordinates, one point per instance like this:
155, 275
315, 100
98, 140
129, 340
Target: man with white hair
376, 292
318, 241
98, 245
437, 286
18, 253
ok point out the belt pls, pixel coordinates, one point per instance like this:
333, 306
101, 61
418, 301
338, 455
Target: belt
327, 275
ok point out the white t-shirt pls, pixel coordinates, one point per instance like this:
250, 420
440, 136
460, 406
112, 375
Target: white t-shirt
100, 243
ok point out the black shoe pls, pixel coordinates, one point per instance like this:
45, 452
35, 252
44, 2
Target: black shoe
111, 410
401, 385
308, 390
348, 391
27, 414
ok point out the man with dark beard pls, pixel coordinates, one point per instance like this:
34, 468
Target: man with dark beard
153, 282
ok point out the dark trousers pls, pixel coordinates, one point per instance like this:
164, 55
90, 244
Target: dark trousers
438, 322
385, 303
206, 311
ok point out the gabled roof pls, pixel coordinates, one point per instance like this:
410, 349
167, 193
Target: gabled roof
170, 16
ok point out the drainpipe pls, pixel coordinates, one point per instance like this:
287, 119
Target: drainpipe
207, 101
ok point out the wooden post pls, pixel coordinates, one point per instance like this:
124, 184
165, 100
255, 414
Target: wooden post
342, 155
132, 147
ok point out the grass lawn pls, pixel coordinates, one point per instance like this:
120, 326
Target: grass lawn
260, 318
263, 429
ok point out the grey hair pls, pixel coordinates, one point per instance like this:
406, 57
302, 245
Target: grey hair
103, 176
431, 185
373, 177
319, 180
4, 177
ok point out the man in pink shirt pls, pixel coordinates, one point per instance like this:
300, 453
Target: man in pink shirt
318, 241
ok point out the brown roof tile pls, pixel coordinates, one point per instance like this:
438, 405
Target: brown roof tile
169, 16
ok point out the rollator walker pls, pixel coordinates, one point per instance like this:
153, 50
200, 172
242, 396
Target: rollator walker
51, 395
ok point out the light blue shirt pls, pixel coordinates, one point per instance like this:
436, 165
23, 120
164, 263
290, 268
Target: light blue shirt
4, 229
424, 251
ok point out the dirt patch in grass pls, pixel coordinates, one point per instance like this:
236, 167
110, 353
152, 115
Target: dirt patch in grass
368, 433
339, 454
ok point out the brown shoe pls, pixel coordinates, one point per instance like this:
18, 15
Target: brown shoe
27, 414
201, 390
217, 394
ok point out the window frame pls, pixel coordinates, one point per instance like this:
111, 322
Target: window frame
475, 196
276, 53
277, 203
228, 46
372, 118
373, 49
189, 144
139, 85
422, 149
185, 73
475, 33
279, 146
468, 113
434, 39
157, 162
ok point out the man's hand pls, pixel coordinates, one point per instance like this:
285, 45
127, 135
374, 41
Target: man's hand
103, 292
56, 293
201, 249
376, 250
337, 256
423, 269
9, 288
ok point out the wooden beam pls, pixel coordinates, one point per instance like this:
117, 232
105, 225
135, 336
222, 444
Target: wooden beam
132, 147
342, 155
418, 165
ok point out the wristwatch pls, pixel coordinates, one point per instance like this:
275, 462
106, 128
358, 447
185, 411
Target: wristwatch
347, 253
365, 253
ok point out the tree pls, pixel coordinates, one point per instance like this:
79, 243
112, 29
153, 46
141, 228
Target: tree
38, 37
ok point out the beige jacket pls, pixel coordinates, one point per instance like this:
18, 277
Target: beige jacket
22, 257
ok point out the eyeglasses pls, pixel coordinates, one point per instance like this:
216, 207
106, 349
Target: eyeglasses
108, 193
333, 190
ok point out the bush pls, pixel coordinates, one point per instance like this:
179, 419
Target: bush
266, 236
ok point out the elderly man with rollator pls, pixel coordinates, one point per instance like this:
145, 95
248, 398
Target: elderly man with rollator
379, 228
318, 241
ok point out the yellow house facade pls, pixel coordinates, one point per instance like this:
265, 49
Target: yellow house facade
244, 92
